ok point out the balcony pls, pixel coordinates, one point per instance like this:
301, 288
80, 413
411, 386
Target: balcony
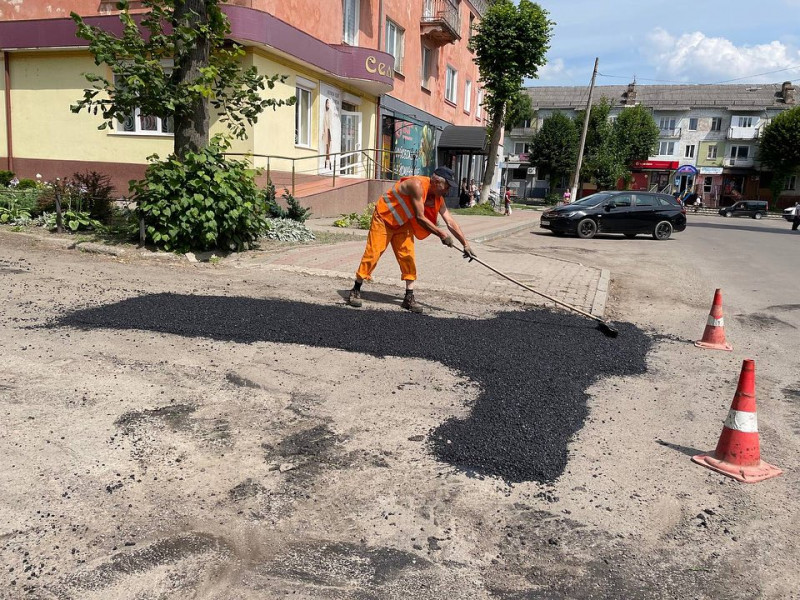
670, 133
743, 133
440, 24
737, 162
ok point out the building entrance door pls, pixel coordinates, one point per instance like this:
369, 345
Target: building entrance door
351, 141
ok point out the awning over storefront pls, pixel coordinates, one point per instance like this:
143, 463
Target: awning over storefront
464, 139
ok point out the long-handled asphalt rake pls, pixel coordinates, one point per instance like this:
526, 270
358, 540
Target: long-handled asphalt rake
603, 326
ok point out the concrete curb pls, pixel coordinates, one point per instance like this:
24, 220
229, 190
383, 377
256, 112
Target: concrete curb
505, 232
601, 295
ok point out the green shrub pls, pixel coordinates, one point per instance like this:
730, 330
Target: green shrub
358, 220
201, 202
5, 178
27, 184
73, 221
295, 212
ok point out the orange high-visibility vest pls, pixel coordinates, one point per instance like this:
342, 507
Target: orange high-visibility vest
396, 209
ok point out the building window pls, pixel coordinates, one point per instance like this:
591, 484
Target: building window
689, 152
135, 123
743, 121
350, 10
708, 182
791, 182
666, 148
427, 66
716, 123
740, 152
394, 43
479, 105
467, 96
692, 124
522, 148
302, 117
712, 152
666, 124
471, 25
451, 85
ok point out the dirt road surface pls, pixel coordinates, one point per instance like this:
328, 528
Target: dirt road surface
177, 430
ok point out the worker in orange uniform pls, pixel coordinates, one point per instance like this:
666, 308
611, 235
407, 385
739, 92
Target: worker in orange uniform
408, 210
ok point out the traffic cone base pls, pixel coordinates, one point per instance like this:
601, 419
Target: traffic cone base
745, 474
714, 333
738, 452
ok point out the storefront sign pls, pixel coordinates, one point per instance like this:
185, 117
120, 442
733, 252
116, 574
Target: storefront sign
330, 131
711, 170
687, 170
657, 165
373, 66
414, 144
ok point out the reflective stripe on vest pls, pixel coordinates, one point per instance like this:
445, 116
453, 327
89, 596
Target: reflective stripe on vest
393, 201
397, 209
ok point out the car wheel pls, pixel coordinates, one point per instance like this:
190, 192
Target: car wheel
757, 216
729, 214
662, 231
630, 236
586, 229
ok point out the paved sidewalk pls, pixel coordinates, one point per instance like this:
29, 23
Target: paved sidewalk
443, 269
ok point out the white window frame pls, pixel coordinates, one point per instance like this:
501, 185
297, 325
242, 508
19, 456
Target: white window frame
711, 154
716, 124
668, 146
160, 123
521, 148
738, 152
791, 183
692, 123
667, 124
467, 96
426, 70
479, 105
689, 151
451, 85
300, 91
351, 10
395, 44
746, 122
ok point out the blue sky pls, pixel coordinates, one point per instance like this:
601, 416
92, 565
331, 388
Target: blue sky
681, 41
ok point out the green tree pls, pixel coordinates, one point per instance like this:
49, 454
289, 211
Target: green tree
520, 109
510, 44
554, 148
175, 64
602, 161
636, 134
779, 150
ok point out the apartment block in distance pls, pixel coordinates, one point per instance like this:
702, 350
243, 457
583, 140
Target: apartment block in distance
709, 136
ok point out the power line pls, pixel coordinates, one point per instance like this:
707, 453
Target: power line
692, 84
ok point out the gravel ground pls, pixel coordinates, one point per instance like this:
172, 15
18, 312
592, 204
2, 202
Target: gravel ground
175, 430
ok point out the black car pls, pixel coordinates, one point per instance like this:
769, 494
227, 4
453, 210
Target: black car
628, 213
746, 208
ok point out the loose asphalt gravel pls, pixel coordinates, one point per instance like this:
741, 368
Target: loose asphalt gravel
519, 426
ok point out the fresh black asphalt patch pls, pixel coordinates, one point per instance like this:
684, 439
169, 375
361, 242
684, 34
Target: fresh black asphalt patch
533, 366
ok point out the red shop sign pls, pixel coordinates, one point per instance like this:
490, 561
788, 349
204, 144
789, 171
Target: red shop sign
661, 165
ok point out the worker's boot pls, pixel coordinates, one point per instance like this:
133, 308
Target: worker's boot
409, 303
355, 298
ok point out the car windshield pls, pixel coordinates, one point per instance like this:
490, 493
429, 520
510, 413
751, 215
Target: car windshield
593, 200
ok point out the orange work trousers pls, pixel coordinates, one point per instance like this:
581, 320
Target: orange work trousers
379, 238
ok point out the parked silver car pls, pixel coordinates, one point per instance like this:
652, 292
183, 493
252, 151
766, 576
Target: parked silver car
789, 213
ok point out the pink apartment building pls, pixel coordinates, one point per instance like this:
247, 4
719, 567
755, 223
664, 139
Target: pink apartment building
393, 77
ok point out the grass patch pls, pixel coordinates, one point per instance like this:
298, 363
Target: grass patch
484, 210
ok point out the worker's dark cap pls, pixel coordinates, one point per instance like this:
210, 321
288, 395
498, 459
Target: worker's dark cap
447, 175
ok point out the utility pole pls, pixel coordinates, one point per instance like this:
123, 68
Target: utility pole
576, 177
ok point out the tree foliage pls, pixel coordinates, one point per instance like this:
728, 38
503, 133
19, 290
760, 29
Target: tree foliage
554, 148
150, 62
520, 109
779, 150
602, 162
636, 134
510, 44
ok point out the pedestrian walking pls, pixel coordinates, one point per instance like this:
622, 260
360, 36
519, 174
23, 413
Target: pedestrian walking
567, 196
507, 202
406, 211
796, 219
473, 193
463, 194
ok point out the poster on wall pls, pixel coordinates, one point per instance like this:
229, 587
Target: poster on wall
330, 126
414, 147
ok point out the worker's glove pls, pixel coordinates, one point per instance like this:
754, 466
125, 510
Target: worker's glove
448, 241
469, 252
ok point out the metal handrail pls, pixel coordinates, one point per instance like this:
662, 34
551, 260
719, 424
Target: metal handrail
366, 166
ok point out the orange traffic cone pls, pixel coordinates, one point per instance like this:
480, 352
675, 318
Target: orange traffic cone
738, 452
714, 334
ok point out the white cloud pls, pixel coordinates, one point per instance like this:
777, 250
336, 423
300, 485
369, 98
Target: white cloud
693, 57
552, 70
